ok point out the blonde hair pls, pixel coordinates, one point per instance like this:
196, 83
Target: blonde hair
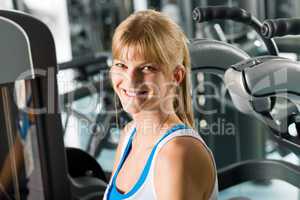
159, 40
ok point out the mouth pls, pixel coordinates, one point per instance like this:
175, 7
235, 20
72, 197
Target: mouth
131, 94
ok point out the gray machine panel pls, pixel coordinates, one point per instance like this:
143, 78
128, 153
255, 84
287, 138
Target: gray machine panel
214, 56
271, 76
16, 62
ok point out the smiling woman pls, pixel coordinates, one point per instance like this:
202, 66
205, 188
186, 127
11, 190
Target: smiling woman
139, 85
160, 155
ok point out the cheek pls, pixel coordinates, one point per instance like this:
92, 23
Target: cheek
159, 85
116, 80
167, 88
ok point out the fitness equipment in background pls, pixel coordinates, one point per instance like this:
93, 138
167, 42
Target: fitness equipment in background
239, 172
221, 13
89, 168
266, 87
284, 9
92, 24
210, 59
18, 35
217, 120
280, 27
37, 160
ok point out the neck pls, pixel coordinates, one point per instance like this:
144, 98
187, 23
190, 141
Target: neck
150, 124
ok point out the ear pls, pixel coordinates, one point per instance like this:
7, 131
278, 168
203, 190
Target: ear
179, 74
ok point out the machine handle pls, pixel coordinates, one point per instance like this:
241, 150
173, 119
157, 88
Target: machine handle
280, 27
201, 14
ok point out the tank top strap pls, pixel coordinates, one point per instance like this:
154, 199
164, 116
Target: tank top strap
182, 132
127, 138
129, 135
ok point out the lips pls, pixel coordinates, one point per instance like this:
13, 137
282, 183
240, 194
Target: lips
134, 93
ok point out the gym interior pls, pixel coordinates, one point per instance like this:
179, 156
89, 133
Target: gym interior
60, 125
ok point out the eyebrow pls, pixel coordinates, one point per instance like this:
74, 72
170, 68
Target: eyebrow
139, 64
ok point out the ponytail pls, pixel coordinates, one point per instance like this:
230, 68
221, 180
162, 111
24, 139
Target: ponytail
184, 106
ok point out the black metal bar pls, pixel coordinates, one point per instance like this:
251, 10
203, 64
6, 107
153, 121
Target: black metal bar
85, 61
235, 14
82, 92
15, 4
269, 42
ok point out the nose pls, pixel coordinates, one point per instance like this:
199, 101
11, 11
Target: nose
134, 78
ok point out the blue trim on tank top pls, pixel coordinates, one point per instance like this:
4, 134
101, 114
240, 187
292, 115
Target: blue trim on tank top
113, 192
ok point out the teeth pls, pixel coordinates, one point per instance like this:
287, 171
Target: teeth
131, 94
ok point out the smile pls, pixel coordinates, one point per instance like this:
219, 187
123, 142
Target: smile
134, 94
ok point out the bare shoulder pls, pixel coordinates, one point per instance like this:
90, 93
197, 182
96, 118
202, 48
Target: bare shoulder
184, 163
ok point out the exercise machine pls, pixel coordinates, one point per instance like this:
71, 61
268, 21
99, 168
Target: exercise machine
33, 159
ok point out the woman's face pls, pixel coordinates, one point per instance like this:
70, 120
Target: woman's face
141, 85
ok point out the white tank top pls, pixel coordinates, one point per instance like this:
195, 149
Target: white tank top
144, 190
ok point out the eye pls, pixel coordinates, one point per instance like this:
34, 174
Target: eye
120, 65
148, 68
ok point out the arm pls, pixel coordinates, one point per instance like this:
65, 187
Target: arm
184, 170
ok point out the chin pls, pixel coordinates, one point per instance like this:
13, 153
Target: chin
132, 109
146, 106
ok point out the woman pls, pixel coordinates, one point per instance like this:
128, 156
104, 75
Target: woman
159, 156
